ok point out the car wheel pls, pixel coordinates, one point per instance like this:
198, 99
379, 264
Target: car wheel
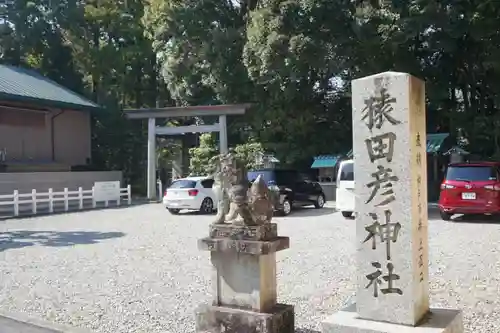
445, 216
173, 211
347, 214
320, 201
207, 206
286, 209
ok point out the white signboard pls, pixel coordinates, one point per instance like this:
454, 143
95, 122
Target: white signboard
107, 191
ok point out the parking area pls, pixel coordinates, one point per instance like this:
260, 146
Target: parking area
138, 269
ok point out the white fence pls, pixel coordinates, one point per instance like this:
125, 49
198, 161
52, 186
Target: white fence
30, 202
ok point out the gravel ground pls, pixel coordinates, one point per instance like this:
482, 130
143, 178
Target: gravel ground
138, 269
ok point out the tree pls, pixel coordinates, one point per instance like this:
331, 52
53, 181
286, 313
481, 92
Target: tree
249, 153
292, 59
203, 158
297, 52
199, 44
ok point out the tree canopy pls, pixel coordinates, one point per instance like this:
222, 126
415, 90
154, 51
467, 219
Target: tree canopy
293, 59
204, 157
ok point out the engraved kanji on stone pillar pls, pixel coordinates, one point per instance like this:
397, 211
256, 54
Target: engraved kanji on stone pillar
388, 112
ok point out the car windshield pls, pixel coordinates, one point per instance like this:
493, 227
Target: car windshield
183, 183
347, 172
471, 173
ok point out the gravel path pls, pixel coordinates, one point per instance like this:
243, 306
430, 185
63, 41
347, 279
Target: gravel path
138, 269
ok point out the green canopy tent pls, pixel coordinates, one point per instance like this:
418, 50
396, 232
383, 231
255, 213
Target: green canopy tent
326, 165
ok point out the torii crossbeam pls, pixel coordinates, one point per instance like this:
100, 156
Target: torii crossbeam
183, 111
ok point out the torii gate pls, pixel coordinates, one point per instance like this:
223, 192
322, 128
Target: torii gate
187, 111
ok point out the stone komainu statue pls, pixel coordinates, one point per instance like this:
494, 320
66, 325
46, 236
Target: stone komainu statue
260, 201
236, 203
239, 209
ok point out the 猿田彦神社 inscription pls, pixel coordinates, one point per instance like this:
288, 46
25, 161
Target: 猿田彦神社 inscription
389, 152
380, 148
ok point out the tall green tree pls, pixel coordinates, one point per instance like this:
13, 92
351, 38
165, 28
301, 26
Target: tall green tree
199, 45
298, 53
203, 158
292, 59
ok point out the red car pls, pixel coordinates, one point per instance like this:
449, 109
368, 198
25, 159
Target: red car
470, 188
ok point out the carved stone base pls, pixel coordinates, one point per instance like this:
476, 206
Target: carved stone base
244, 246
217, 319
261, 232
438, 321
257, 240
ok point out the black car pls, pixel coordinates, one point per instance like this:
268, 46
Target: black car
289, 188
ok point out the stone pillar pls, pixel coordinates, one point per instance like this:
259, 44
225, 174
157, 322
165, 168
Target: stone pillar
177, 162
244, 281
189, 140
223, 134
151, 172
391, 204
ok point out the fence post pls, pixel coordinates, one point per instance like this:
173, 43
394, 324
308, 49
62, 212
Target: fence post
119, 201
33, 201
66, 208
80, 197
129, 194
160, 190
94, 205
51, 201
16, 203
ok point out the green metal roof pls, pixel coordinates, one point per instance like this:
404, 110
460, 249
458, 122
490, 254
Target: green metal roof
27, 86
434, 141
324, 161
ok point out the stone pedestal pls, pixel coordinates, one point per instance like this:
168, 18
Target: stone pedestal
389, 139
436, 321
244, 281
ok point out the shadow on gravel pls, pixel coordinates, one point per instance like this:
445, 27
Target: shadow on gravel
192, 212
21, 238
311, 211
475, 219
469, 218
433, 213
297, 212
